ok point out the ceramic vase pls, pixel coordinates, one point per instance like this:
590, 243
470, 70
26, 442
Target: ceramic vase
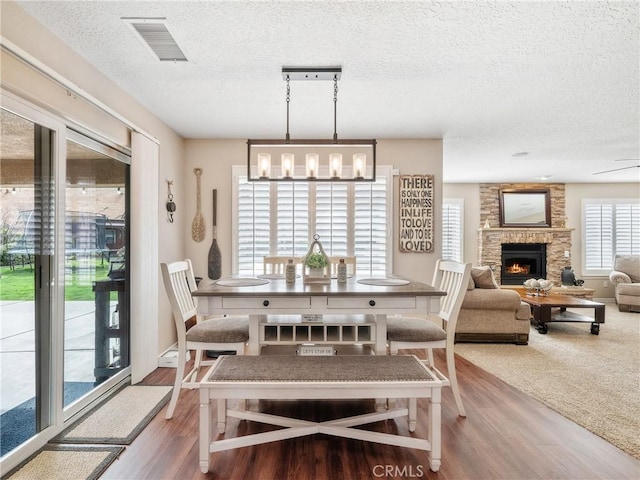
568, 277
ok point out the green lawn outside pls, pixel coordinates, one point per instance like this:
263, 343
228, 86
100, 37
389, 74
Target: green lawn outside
18, 284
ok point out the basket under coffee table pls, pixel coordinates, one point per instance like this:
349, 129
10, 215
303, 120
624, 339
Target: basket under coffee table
553, 308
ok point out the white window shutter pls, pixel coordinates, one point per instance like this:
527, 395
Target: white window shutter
281, 218
292, 224
452, 229
627, 229
371, 224
253, 227
332, 216
610, 227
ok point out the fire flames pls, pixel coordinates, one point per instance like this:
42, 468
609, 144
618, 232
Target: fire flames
518, 269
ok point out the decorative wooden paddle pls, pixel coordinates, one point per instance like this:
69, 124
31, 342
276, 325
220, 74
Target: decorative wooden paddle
198, 226
215, 259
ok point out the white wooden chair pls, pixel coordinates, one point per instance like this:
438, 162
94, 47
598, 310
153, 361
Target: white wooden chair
226, 333
409, 333
349, 261
277, 265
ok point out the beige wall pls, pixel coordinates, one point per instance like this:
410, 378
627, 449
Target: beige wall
575, 193
216, 157
470, 193
30, 36
420, 157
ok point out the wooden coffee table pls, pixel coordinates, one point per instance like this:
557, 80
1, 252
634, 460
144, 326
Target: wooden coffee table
553, 308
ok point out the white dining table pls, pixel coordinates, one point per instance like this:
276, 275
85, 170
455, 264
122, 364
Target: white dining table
321, 312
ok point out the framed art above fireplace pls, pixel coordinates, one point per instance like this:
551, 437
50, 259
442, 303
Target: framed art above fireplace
525, 208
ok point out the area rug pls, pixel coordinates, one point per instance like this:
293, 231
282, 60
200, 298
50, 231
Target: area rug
591, 379
66, 462
119, 419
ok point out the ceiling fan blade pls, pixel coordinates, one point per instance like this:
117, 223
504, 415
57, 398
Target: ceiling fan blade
616, 169
626, 159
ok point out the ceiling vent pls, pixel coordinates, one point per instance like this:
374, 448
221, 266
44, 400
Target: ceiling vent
156, 37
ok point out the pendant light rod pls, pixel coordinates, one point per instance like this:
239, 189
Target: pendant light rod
287, 136
335, 108
313, 73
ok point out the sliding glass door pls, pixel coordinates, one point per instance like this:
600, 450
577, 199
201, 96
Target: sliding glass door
64, 308
96, 326
26, 254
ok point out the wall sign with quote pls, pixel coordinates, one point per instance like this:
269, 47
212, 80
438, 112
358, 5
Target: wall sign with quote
416, 213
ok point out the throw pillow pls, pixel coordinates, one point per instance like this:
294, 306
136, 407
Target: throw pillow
472, 285
483, 277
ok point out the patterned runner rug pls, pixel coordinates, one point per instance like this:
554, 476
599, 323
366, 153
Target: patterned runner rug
119, 419
590, 379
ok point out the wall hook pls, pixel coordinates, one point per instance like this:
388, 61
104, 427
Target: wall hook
171, 206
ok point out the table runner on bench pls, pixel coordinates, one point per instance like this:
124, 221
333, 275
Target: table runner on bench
269, 368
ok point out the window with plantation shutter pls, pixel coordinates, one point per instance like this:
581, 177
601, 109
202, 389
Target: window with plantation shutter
333, 216
610, 227
253, 225
627, 228
372, 226
452, 229
291, 219
281, 218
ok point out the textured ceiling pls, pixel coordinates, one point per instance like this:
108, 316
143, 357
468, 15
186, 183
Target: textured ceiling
556, 79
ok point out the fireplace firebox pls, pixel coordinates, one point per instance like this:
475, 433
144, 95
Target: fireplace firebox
521, 261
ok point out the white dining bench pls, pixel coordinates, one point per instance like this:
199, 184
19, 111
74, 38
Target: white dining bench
275, 377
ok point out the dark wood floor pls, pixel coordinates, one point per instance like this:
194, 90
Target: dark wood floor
506, 435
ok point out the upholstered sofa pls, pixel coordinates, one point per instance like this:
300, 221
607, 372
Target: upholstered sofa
626, 278
492, 314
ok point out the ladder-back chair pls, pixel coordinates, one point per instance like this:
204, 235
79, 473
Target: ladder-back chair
277, 265
409, 333
226, 333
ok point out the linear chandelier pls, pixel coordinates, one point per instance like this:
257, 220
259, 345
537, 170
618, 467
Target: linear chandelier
327, 160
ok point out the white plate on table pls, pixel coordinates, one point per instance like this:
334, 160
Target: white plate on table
242, 282
384, 281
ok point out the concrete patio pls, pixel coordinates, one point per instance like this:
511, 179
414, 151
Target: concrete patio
17, 348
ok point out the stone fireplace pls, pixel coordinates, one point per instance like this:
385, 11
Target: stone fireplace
554, 241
